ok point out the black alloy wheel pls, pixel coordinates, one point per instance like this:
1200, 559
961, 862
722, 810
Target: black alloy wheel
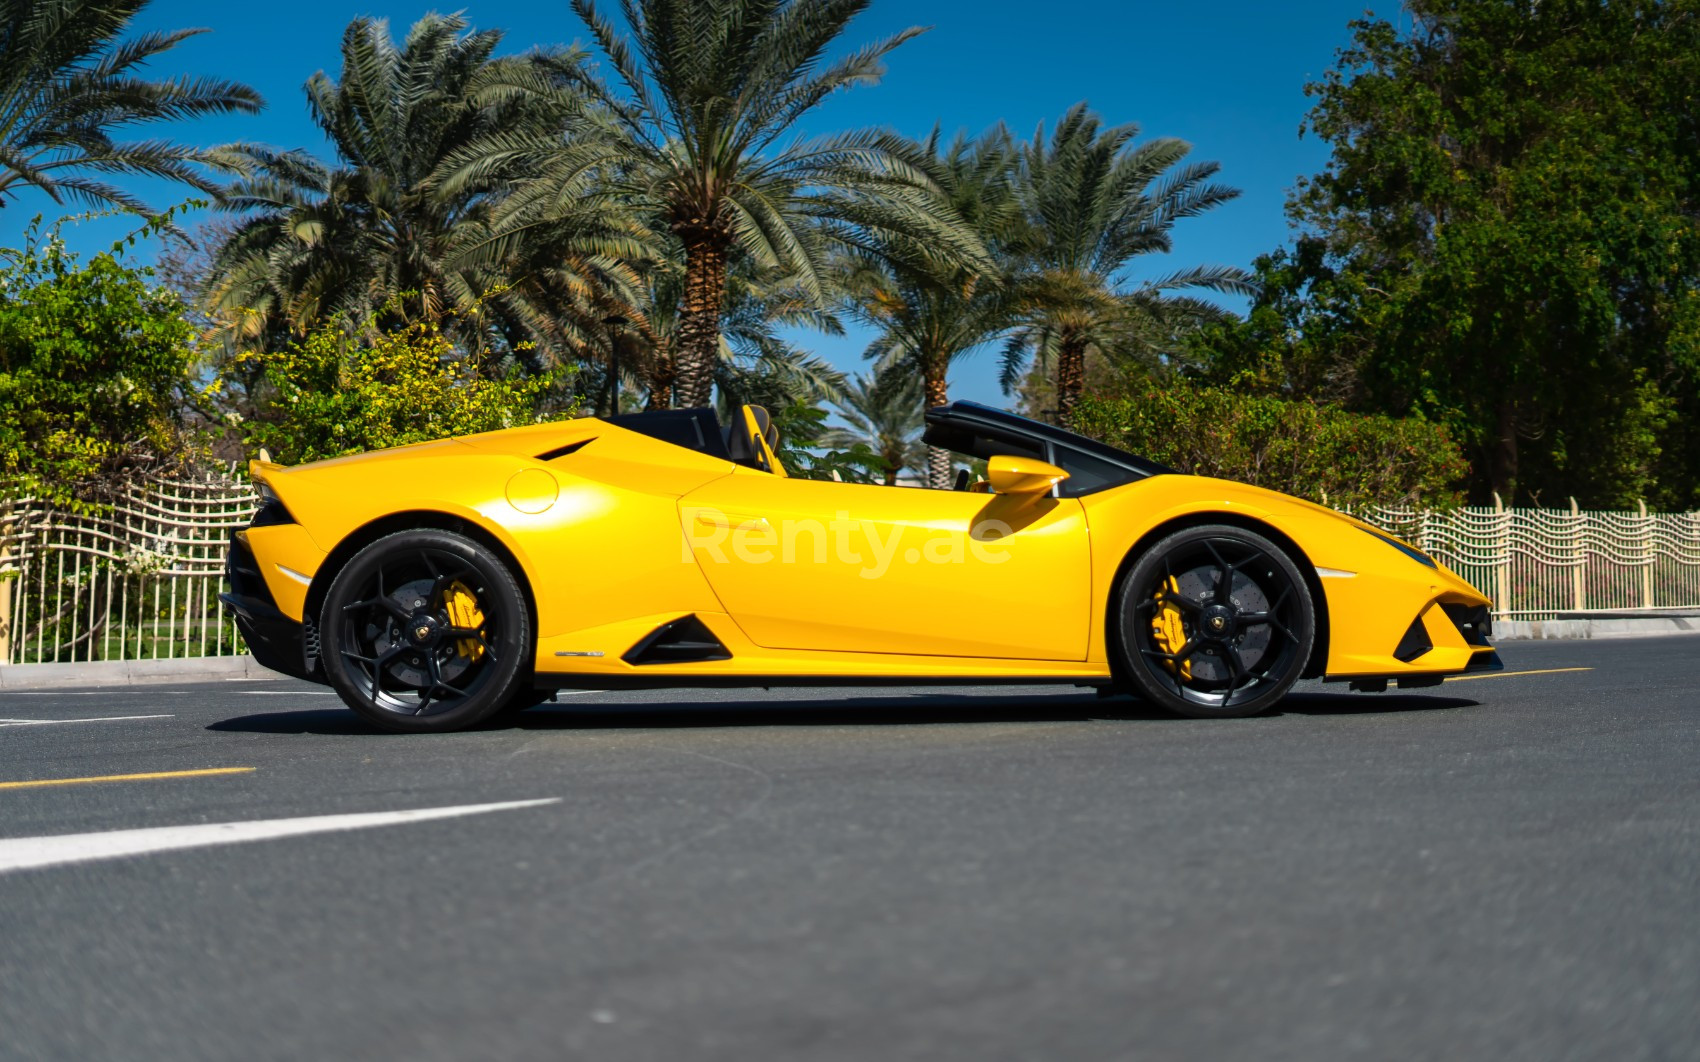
426, 631
1216, 622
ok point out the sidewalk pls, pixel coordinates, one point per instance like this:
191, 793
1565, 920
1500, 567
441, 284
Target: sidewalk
1603, 624
132, 672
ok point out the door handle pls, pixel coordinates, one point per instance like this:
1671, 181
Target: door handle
717, 520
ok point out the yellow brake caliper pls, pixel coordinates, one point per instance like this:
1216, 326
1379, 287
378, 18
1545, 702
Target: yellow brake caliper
1167, 627
462, 606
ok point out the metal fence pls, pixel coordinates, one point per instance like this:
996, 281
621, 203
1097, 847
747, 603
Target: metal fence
141, 579
1536, 563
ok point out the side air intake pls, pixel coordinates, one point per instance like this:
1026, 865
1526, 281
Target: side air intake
562, 451
682, 641
1415, 642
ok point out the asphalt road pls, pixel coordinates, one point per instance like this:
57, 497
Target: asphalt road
1502, 868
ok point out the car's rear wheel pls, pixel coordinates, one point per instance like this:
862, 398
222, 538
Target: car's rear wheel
1216, 622
425, 631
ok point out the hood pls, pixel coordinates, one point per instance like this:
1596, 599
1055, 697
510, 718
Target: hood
1275, 498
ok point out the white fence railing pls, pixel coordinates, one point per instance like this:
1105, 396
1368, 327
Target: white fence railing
141, 579
1535, 563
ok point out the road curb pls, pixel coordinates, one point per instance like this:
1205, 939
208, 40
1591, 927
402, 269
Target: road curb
131, 672
1595, 627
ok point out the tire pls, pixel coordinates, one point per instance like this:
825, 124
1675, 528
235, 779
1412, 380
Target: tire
392, 649
1190, 649
524, 699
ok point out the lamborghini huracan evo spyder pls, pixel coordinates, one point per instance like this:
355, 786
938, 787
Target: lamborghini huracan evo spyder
439, 585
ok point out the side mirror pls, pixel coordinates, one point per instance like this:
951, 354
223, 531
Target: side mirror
1022, 475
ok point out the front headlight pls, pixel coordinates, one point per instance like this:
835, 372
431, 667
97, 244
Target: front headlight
1410, 551
271, 511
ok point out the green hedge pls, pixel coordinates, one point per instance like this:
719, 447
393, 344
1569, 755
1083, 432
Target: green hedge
1313, 451
94, 361
333, 394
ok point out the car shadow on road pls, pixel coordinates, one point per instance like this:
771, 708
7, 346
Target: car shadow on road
1318, 703
893, 710
337, 722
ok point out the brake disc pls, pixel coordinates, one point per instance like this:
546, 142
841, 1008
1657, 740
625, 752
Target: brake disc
1199, 584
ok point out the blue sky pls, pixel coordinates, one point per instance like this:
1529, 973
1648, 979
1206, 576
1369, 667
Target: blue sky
1227, 77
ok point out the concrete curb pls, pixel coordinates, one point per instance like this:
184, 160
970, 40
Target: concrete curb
1595, 627
132, 672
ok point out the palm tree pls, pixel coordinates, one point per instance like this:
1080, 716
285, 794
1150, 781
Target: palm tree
67, 85
883, 412
754, 362
930, 308
1093, 203
377, 233
706, 88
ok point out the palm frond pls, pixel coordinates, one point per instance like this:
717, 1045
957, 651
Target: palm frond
68, 84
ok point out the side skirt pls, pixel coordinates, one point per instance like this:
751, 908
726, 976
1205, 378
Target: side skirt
657, 681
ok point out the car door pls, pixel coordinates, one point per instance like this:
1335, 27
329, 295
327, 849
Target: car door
811, 564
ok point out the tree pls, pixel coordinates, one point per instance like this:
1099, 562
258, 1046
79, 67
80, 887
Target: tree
1504, 242
94, 366
385, 231
806, 453
931, 307
346, 390
68, 85
706, 89
884, 413
1307, 449
1093, 204
754, 361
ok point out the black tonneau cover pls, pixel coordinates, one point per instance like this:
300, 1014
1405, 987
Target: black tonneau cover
948, 423
694, 429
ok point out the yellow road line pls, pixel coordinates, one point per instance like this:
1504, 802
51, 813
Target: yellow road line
1509, 674
126, 777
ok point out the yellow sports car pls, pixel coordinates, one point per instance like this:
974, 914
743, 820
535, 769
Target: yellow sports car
440, 585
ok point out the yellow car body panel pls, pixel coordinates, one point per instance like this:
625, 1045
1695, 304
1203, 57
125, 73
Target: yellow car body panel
292, 558
614, 533
848, 567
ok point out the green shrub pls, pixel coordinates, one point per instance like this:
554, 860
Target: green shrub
94, 368
334, 393
1312, 451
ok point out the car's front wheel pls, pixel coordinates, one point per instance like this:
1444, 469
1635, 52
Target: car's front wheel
425, 631
1216, 622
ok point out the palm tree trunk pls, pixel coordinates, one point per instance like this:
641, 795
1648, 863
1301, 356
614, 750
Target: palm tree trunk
1502, 455
661, 377
1071, 376
699, 319
938, 459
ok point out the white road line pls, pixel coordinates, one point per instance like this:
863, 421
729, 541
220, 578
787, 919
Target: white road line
60, 693
28, 853
289, 693
96, 719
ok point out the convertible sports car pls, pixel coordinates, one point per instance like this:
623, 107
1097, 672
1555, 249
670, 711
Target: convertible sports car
440, 585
